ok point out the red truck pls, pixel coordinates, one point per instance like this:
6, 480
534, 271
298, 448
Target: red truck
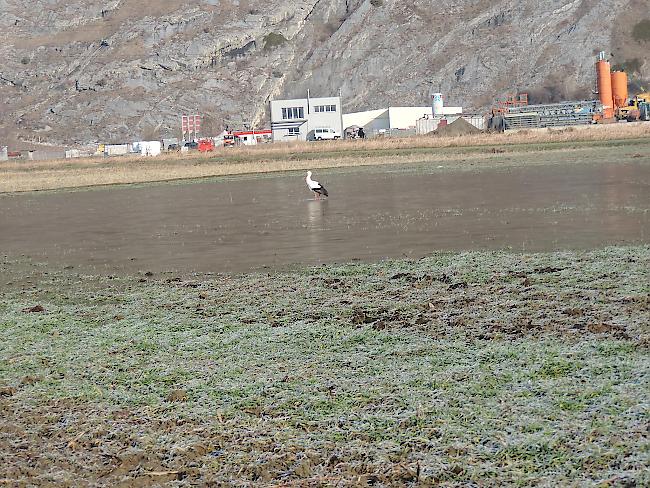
206, 145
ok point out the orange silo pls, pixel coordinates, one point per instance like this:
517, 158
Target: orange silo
619, 88
603, 70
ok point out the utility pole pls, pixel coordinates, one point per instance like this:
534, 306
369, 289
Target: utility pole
341, 111
308, 112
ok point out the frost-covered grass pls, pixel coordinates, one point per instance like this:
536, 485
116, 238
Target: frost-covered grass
493, 368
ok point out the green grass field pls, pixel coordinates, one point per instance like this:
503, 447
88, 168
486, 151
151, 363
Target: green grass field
487, 368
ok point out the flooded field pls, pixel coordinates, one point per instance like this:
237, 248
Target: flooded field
253, 222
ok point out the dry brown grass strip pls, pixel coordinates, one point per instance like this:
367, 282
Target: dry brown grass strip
17, 176
143, 171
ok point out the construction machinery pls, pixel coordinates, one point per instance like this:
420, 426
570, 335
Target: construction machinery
613, 103
644, 111
546, 115
510, 101
635, 109
613, 94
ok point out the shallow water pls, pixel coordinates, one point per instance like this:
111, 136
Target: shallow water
236, 225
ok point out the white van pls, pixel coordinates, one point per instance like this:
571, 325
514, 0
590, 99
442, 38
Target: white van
323, 134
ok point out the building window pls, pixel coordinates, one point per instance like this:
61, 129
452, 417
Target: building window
293, 131
325, 108
293, 113
332, 108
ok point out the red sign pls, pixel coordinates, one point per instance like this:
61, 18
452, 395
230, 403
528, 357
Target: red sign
190, 123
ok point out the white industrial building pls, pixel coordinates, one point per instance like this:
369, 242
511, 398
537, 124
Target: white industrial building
296, 120
391, 118
398, 118
147, 148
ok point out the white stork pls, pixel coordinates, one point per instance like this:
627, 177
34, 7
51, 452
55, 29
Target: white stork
315, 186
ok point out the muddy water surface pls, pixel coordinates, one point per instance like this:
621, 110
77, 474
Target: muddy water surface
237, 225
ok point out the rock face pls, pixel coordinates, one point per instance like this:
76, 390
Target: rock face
79, 71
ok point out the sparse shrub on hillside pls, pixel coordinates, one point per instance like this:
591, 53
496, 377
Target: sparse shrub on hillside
151, 132
629, 65
376, 3
25, 60
557, 87
637, 85
641, 31
273, 40
556, 92
210, 123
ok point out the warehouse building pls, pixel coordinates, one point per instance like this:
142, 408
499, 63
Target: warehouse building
391, 118
398, 118
299, 119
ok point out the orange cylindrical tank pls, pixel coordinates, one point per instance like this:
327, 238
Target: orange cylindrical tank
619, 88
603, 71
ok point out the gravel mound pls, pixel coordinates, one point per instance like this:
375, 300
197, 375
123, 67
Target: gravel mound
459, 127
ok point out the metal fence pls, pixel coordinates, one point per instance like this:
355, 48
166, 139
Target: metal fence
390, 133
425, 126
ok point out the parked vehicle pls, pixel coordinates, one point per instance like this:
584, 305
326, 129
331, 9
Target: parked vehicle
229, 140
206, 145
324, 134
192, 145
644, 111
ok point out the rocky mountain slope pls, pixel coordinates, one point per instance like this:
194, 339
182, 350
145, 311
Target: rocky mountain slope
77, 71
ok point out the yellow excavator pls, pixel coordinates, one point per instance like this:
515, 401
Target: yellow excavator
637, 108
